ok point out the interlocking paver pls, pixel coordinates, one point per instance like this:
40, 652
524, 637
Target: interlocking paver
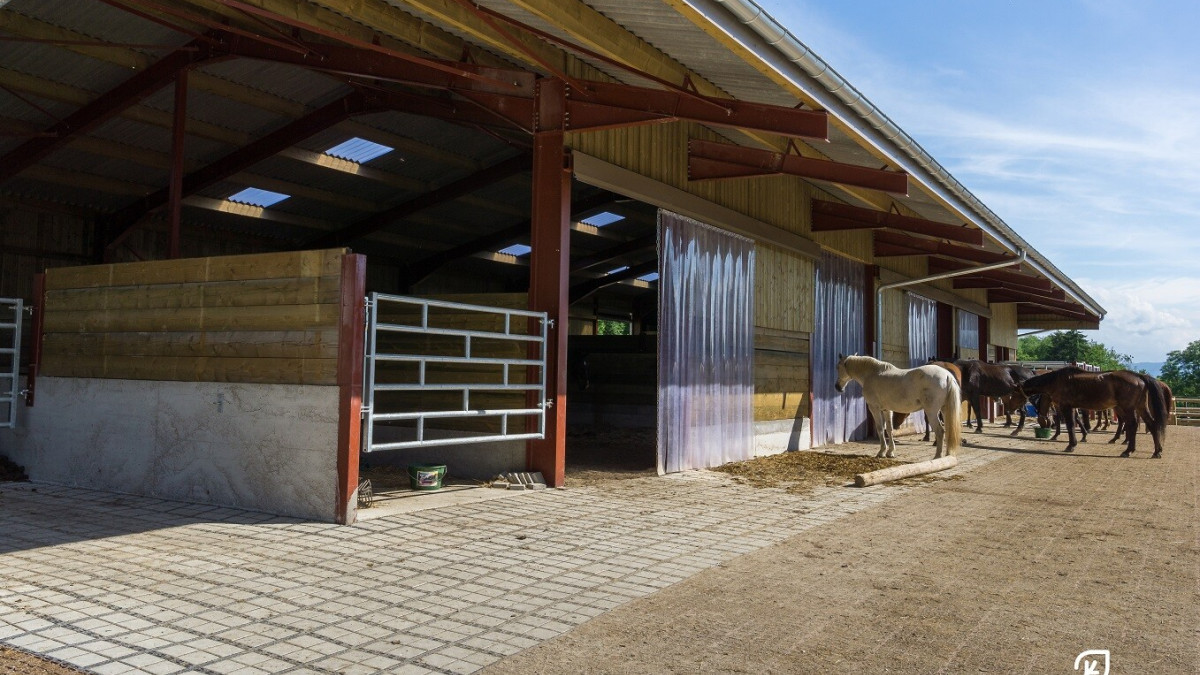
118, 584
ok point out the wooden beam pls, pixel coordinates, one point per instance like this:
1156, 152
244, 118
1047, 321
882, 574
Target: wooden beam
1013, 296
625, 248
830, 216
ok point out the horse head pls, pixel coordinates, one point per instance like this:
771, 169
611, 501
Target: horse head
843, 376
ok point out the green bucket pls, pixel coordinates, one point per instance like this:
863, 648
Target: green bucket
426, 476
1042, 432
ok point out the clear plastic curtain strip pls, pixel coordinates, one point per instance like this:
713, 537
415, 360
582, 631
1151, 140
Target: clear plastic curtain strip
968, 333
838, 329
705, 345
922, 339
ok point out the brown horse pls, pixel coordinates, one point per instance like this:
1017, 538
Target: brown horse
899, 417
996, 380
1130, 393
1168, 400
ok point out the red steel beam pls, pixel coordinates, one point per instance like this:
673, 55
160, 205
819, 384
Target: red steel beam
1013, 296
708, 160
103, 108
937, 265
351, 351
887, 243
829, 216
582, 290
390, 66
447, 193
124, 222
549, 272
589, 110
38, 334
631, 246
175, 189
490, 242
971, 281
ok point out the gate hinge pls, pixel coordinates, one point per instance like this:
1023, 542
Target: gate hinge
364, 411
549, 323
547, 404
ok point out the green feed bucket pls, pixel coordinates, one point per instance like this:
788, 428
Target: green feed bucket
426, 476
1042, 432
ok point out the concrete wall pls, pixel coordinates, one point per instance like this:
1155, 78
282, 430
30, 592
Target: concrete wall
265, 447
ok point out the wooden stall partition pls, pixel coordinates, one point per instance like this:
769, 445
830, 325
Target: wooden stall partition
265, 318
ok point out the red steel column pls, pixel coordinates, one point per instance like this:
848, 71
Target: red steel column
178, 133
351, 351
35, 352
549, 270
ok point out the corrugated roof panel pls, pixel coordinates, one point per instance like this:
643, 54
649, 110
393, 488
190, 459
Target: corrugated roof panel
158, 139
205, 107
63, 67
22, 186
300, 86
113, 168
85, 17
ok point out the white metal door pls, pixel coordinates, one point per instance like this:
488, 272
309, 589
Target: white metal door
434, 368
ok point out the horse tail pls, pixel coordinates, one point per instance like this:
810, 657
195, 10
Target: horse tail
951, 410
1157, 404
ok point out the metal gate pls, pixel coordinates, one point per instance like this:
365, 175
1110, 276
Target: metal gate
449, 373
10, 359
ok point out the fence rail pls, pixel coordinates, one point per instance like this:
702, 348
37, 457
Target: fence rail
1187, 412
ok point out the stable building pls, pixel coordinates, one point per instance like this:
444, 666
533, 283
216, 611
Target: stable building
265, 241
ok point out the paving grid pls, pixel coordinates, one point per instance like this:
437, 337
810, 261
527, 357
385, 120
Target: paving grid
115, 584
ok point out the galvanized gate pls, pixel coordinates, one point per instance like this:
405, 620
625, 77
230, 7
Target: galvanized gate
11, 311
450, 373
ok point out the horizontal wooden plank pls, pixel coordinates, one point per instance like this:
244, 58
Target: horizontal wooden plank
191, 369
311, 344
262, 318
253, 292
288, 264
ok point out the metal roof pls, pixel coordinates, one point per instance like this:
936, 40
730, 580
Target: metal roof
233, 102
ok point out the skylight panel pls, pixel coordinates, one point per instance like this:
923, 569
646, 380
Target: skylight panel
653, 276
258, 197
358, 150
603, 218
619, 269
516, 250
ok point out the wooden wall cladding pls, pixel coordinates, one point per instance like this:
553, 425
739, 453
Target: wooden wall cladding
265, 318
781, 374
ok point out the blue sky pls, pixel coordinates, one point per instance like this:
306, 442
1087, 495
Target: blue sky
1076, 121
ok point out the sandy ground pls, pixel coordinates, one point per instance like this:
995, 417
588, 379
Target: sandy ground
1018, 568
1015, 567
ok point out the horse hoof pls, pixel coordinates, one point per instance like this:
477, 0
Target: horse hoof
1126, 453
1069, 448
1157, 455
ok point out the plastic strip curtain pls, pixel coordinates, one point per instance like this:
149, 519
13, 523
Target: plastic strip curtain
705, 345
922, 340
838, 329
968, 334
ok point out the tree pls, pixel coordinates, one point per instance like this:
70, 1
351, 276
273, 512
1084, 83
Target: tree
1071, 345
1182, 371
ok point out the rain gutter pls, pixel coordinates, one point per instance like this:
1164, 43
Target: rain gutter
758, 32
933, 277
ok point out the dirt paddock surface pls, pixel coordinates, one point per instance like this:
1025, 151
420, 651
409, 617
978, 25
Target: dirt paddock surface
1016, 561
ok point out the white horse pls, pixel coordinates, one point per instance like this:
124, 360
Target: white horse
888, 389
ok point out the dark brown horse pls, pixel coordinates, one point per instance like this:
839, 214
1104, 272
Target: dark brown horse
996, 380
1131, 394
1168, 400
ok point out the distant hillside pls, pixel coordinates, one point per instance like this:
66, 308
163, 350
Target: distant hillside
1152, 367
